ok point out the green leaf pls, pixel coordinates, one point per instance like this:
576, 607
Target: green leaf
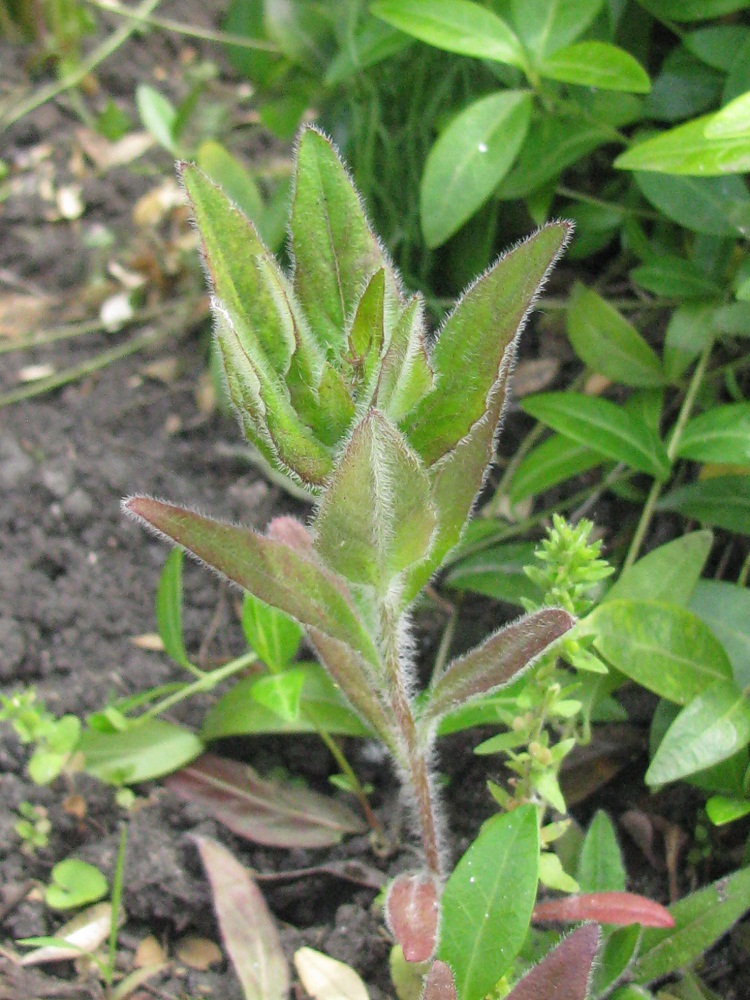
674, 276
700, 920
456, 26
693, 10
721, 810
232, 176
687, 150
668, 573
334, 249
604, 426
689, 329
597, 64
281, 693
74, 883
146, 751
717, 46
723, 501
552, 462
725, 608
605, 341
717, 206
600, 867
488, 900
722, 434
660, 646
711, 728
169, 608
370, 44
496, 572
497, 661
405, 372
477, 338
469, 160
273, 635
158, 115
732, 120
376, 518
238, 713
554, 142
547, 25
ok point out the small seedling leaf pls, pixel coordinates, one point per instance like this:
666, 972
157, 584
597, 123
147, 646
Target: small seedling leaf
412, 911
266, 812
247, 927
326, 978
74, 883
564, 972
600, 867
273, 635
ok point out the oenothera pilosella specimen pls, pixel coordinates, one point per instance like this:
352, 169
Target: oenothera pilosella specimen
334, 383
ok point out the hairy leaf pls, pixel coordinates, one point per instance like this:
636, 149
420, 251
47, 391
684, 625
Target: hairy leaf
564, 972
621, 908
412, 910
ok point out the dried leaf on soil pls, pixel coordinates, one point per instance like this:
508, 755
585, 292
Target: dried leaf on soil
83, 934
325, 978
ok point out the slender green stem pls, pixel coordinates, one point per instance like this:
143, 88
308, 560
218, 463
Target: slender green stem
354, 782
673, 444
12, 111
178, 28
205, 683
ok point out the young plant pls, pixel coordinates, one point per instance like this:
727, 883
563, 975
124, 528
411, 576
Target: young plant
334, 383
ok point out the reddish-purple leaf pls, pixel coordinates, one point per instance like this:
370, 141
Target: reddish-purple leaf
265, 812
247, 927
621, 908
564, 972
412, 911
498, 660
439, 984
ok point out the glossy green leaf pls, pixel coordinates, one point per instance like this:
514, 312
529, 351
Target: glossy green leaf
700, 919
721, 434
722, 810
725, 608
335, 251
661, 646
281, 693
603, 426
597, 64
497, 661
723, 501
547, 25
488, 900
376, 518
169, 608
273, 635
667, 573
158, 115
238, 713
552, 462
711, 728
233, 177
676, 277
469, 160
693, 10
496, 572
456, 26
605, 341
146, 751
600, 867
717, 206
687, 150
732, 120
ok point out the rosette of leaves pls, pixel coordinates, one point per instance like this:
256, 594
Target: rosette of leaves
334, 381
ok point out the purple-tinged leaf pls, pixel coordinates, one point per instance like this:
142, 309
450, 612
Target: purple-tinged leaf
412, 912
265, 812
247, 927
564, 972
439, 984
497, 661
276, 573
621, 908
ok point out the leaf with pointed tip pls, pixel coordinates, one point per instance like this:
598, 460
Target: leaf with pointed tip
335, 251
564, 972
270, 569
668, 573
621, 908
325, 978
246, 925
335, 411
600, 867
405, 372
497, 661
472, 349
367, 333
266, 812
412, 910
439, 984
274, 636
376, 518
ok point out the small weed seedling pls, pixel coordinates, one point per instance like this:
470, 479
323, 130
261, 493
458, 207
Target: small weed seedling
331, 375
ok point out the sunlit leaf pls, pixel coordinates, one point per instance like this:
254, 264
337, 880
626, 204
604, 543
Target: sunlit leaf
687, 149
597, 64
273, 635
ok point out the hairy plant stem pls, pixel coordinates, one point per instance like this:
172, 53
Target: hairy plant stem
206, 682
672, 446
416, 752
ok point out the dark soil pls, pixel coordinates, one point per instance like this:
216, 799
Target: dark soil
77, 582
